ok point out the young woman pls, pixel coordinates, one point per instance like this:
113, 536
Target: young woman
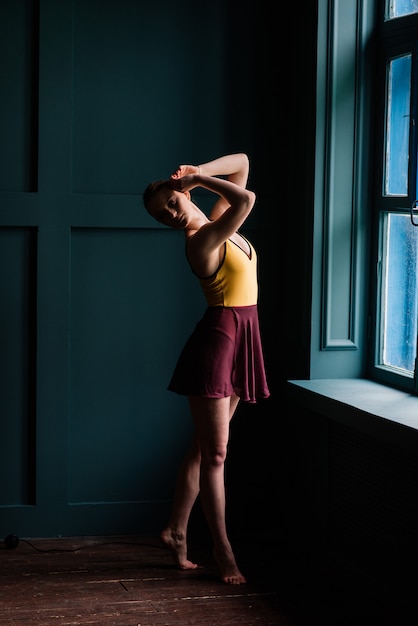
222, 361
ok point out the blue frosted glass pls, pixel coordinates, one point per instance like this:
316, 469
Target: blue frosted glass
397, 8
397, 126
400, 293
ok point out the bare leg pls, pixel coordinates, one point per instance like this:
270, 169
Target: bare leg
174, 535
212, 419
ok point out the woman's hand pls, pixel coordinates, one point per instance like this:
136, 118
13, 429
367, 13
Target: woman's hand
184, 170
185, 183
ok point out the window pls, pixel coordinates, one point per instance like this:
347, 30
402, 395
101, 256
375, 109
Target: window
396, 298
397, 8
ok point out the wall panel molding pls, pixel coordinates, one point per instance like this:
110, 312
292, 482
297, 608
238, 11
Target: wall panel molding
18, 366
19, 76
339, 288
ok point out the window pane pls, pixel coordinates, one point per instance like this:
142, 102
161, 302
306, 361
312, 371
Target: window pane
397, 126
397, 8
399, 293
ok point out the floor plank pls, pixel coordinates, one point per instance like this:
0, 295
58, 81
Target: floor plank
131, 581
122, 581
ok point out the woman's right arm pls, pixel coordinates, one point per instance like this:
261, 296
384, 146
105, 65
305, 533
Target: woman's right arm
239, 202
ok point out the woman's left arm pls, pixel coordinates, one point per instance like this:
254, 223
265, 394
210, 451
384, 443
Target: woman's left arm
235, 167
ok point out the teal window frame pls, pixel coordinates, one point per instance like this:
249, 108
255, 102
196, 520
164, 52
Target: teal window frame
394, 284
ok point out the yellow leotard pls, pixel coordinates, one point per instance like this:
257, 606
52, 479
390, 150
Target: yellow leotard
235, 281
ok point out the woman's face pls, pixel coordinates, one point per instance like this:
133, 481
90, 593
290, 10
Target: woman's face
170, 207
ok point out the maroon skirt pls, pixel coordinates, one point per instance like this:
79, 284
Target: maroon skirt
222, 356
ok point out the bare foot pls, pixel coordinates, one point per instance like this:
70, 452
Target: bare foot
228, 567
177, 544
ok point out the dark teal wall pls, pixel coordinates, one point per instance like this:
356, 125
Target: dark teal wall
98, 97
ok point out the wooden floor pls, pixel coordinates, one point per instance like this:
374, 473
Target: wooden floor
131, 581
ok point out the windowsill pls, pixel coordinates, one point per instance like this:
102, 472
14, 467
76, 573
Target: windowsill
362, 404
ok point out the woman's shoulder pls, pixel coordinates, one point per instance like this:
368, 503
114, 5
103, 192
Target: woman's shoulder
202, 262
